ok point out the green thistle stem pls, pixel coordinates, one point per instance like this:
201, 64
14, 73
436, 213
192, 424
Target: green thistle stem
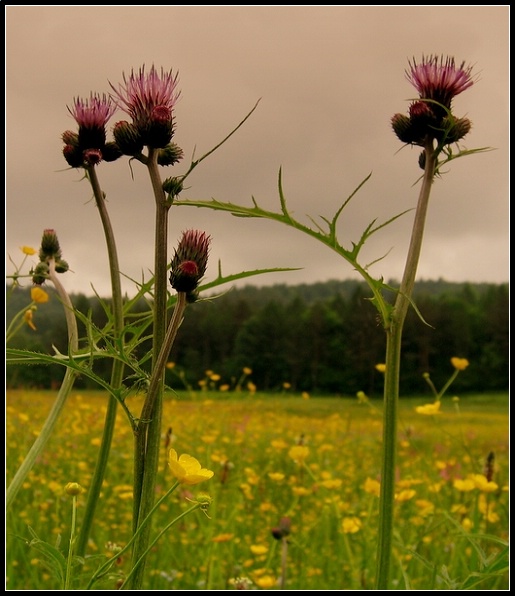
116, 372
148, 435
62, 395
68, 576
392, 374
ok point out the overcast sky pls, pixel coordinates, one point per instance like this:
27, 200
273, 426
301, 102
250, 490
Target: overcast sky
329, 79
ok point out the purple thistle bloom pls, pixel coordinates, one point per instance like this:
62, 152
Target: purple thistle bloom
439, 79
149, 98
93, 113
88, 146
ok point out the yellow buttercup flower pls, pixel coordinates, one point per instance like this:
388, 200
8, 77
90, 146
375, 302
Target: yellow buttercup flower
39, 295
483, 484
429, 409
464, 485
459, 363
351, 525
187, 469
381, 367
28, 250
372, 487
299, 453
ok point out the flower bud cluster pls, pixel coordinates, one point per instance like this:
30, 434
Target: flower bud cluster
50, 249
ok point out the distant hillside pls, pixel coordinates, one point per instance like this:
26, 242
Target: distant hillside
320, 338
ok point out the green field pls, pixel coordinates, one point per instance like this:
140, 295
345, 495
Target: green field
451, 526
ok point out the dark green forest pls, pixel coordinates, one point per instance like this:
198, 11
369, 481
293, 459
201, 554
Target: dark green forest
323, 338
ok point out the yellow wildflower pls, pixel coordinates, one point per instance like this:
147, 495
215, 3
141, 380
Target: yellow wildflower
459, 363
331, 483
247, 370
305, 395
381, 367
298, 453
276, 476
27, 317
467, 524
258, 549
429, 409
222, 538
286, 385
39, 295
170, 365
405, 495
28, 250
372, 486
187, 469
265, 581
300, 491
483, 484
464, 485
351, 525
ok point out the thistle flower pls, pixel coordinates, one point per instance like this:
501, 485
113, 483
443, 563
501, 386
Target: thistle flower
189, 262
149, 98
88, 147
439, 79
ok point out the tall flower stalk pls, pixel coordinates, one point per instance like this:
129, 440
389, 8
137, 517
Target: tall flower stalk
86, 149
432, 126
149, 99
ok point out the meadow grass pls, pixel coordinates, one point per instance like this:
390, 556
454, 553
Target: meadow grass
451, 528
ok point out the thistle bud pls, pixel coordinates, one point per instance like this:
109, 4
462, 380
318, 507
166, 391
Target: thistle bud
111, 152
50, 248
70, 138
172, 187
283, 529
402, 127
61, 266
40, 273
454, 129
92, 157
127, 138
73, 156
189, 262
169, 155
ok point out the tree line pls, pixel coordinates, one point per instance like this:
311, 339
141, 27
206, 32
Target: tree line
322, 338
